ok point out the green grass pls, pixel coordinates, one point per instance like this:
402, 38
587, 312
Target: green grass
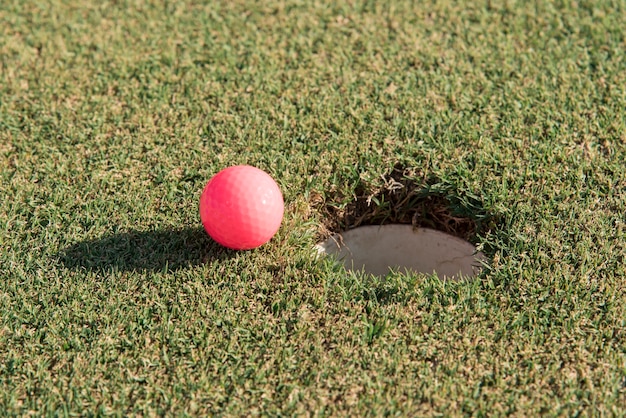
114, 114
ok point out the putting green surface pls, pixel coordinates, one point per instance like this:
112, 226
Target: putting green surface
501, 122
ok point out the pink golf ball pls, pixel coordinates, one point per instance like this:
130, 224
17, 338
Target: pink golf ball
241, 207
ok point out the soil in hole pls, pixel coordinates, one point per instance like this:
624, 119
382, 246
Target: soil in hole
400, 199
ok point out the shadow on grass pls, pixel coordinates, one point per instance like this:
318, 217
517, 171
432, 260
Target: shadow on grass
164, 250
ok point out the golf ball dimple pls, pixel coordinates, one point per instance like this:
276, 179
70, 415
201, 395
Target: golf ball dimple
241, 207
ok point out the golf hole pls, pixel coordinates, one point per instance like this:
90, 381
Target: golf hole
408, 222
377, 250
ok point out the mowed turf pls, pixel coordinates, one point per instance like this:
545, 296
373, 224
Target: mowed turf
114, 114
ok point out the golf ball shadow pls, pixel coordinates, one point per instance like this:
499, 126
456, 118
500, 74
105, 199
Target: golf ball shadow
152, 251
